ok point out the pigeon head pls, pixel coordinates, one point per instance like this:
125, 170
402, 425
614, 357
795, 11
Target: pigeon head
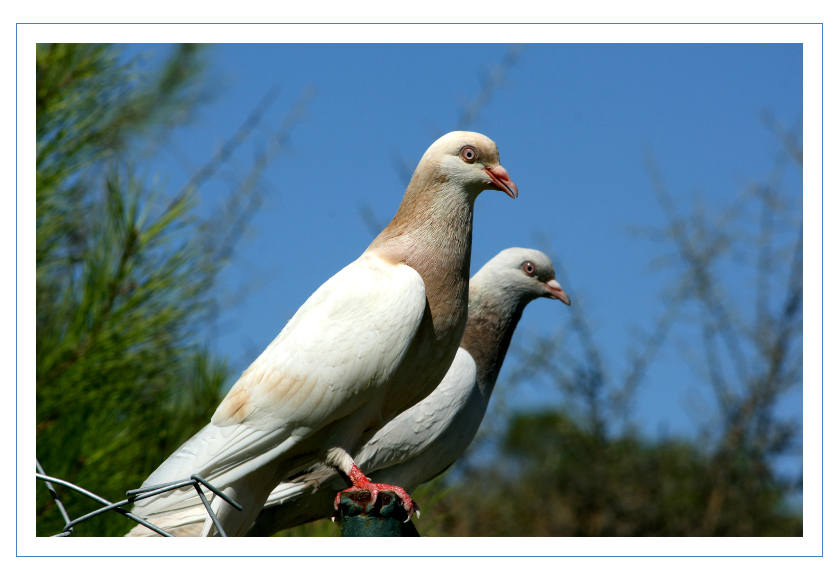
434, 221
523, 273
469, 160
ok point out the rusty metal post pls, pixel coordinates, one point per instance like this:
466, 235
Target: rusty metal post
357, 518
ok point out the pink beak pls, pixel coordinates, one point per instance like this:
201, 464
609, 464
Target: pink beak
557, 292
502, 180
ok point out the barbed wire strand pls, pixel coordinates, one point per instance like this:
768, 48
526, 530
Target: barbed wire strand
134, 495
57, 501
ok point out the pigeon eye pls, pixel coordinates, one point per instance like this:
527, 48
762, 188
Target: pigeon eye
468, 154
529, 268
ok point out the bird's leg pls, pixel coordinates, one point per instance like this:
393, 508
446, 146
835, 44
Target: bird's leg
362, 483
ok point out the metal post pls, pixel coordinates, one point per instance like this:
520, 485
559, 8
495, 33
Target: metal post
357, 518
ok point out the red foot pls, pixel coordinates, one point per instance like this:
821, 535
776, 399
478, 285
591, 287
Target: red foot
362, 483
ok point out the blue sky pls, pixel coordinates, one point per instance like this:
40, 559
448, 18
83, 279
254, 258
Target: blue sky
573, 123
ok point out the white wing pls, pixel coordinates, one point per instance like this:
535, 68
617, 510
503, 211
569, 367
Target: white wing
344, 342
411, 449
414, 430
404, 437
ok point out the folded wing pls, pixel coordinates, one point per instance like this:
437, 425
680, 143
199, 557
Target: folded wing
329, 360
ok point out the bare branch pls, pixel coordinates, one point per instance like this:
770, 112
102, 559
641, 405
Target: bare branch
489, 86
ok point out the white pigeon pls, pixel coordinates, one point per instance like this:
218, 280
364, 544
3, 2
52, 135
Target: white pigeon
426, 439
372, 341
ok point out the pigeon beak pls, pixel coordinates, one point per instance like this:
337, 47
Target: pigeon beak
502, 180
557, 292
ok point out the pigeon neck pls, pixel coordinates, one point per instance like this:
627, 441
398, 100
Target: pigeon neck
432, 233
490, 328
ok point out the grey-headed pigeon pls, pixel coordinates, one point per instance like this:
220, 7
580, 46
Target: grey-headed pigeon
426, 439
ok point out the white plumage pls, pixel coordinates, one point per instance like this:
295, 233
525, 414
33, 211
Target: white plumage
426, 439
373, 340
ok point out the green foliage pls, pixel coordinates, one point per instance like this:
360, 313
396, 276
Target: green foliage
121, 280
556, 478
323, 528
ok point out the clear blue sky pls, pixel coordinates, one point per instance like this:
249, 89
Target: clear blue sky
573, 124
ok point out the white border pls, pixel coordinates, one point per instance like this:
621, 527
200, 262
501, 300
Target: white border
809, 35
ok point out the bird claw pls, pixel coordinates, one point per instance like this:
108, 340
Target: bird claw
410, 510
403, 498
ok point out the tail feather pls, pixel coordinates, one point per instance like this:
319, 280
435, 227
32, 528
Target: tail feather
298, 501
187, 522
215, 454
